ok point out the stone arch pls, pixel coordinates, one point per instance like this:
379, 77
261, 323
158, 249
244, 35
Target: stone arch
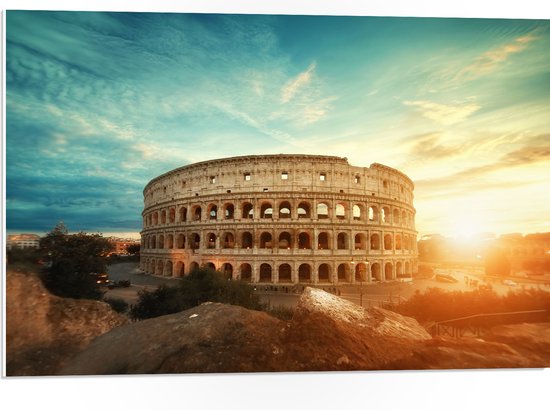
247, 210
228, 240
210, 265
304, 210
229, 211
395, 216
340, 211
160, 268
375, 272
161, 242
168, 268
361, 272
163, 217
180, 242
155, 218
375, 241
266, 273
266, 240
245, 272
285, 273
388, 242
388, 271
183, 214
285, 210
266, 210
357, 212
195, 240
360, 241
194, 266
373, 213
304, 240
196, 211
398, 242
212, 211
169, 241
227, 270
211, 240
344, 274
180, 269
247, 241
153, 242
342, 241
304, 273
322, 211
323, 272
323, 240
404, 220
399, 269
285, 240
172, 215
386, 215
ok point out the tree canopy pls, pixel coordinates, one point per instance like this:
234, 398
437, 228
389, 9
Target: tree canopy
73, 259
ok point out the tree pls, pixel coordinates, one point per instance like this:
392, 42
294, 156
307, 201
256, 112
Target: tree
133, 249
497, 263
73, 261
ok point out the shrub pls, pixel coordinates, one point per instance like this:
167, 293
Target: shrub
117, 304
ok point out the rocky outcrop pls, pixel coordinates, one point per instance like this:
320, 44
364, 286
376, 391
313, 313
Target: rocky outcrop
43, 331
326, 333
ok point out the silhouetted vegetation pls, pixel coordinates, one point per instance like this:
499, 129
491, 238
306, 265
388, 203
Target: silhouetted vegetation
436, 305
201, 285
497, 263
117, 304
71, 262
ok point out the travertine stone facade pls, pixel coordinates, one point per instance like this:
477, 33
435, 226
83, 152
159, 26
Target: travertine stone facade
281, 219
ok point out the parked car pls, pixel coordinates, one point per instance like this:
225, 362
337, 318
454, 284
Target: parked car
101, 278
445, 277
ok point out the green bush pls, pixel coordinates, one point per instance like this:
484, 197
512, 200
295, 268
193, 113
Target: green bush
117, 304
201, 285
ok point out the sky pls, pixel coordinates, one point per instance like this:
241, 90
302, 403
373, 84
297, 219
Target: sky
99, 103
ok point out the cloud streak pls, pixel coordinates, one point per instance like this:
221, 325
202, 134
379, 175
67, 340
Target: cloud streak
446, 114
300, 81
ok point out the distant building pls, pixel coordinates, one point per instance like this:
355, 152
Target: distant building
23, 241
121, 245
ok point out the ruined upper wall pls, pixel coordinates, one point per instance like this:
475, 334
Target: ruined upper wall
279, 173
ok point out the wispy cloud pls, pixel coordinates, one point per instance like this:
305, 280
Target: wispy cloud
291, 88
446, 114
490, 60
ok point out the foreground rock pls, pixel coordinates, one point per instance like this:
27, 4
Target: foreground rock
43, 331
326, 333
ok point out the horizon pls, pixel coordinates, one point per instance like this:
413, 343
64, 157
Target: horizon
109, 101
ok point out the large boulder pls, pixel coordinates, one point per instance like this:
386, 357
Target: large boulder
43, 330
326, 333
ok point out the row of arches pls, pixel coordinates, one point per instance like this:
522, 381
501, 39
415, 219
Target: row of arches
282, 210
282, 240
287, 273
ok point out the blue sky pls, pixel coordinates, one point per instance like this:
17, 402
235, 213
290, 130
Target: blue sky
99, 103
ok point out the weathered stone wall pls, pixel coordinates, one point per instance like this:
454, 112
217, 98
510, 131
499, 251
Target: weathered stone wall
281, 219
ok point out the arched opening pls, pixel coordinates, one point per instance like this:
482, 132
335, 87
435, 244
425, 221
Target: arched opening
324, 272
387, 242
399, 270
161, 242
248, 210
386, 215
197, 213
304, 273
155, 218
265, 272
183, 214
322, 211
360, 272
375, 272
344, 273
210, 265
342, 241
375, 241
360, 241
395, 216
227, 271
266, 211
398, 242
172, 215
304, 241
153, 242
168, 269
285, 273
163, 217
357, 212
229, 211
323, 241
181, 241
285, 240
407, 268
373, 213
284, 210
246, 241
195, 241
388, 271
160, 268
266, 240
211, 241
228, 240
246, 272
212, 211
304, 210
170, 241
194, 266
340, 211
180, 269
404, 218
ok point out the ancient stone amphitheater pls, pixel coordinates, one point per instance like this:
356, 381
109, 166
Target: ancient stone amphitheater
281, 219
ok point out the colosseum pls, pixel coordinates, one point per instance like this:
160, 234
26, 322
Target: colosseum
281, 220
